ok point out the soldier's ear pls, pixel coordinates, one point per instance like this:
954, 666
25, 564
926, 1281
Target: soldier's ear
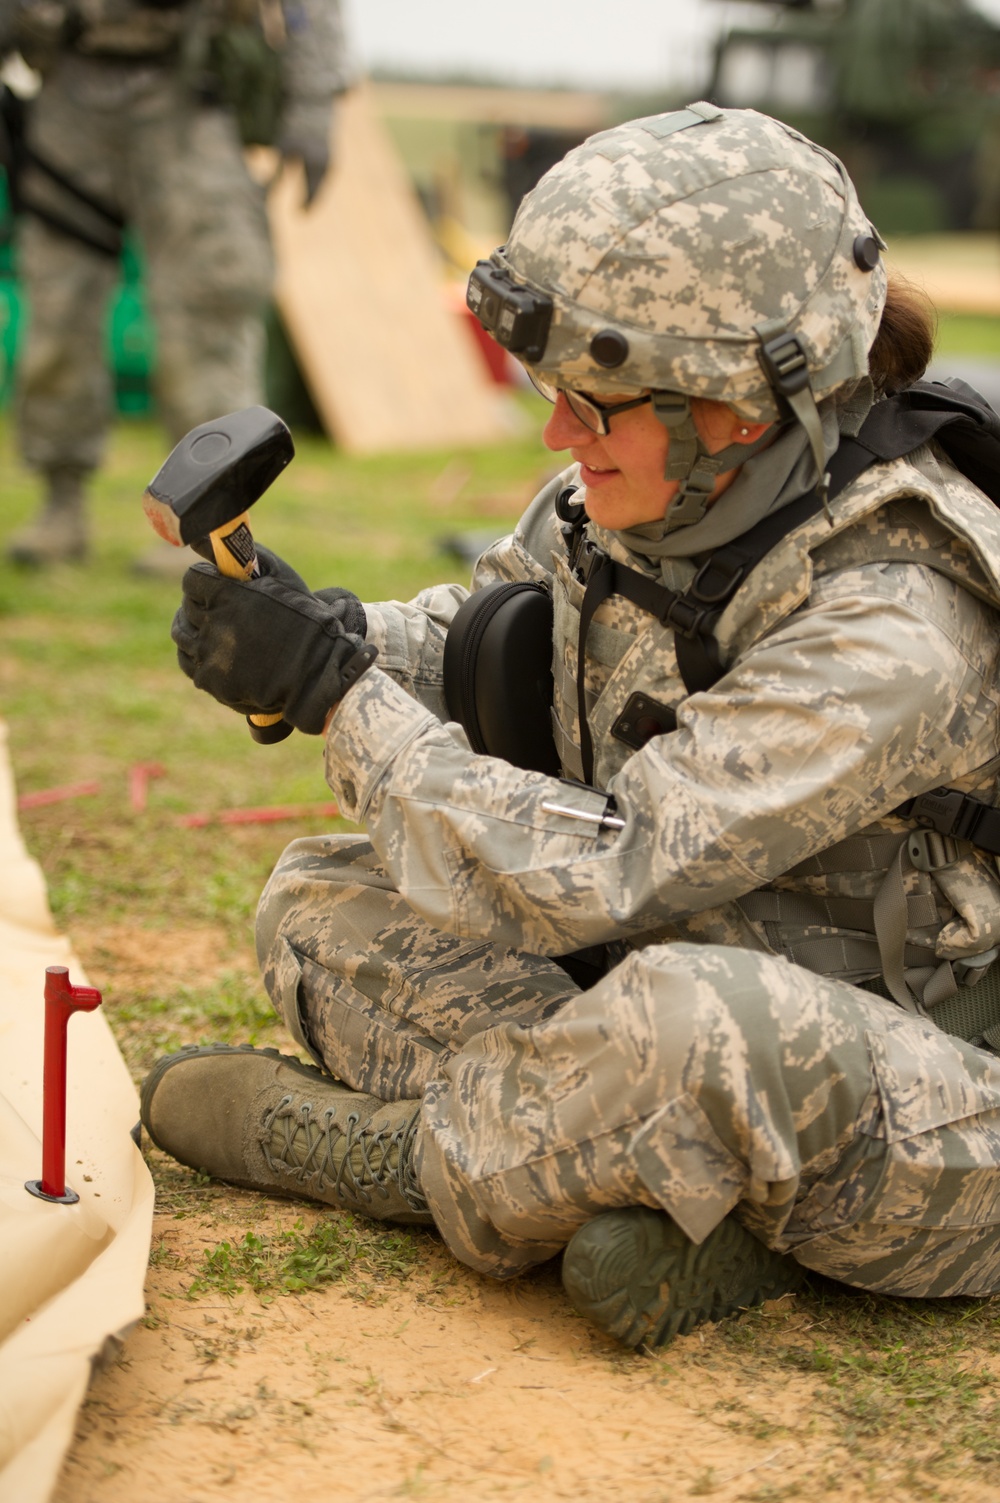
719, 426
747, 433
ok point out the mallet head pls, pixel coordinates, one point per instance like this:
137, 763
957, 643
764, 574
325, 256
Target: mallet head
215, 473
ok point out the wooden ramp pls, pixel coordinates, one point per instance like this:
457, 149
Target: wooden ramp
960, 273
361, 295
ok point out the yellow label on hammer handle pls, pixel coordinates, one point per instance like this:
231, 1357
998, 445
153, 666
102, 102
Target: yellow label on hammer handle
236, 557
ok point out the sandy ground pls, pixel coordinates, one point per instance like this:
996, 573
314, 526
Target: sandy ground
438, 1384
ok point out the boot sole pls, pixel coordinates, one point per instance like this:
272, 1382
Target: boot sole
637, 1277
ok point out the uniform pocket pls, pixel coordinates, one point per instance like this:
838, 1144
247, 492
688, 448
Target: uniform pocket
684, 1164
928, 1079
941, 1124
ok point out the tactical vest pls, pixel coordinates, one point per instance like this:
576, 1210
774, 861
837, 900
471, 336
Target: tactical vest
893, 890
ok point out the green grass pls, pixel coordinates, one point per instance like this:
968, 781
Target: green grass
90, 686
337, 1249
974, 335
909, 1385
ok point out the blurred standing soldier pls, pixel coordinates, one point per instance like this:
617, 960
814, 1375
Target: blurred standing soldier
141, 119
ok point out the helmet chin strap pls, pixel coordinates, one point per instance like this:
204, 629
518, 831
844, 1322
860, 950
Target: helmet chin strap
689, 462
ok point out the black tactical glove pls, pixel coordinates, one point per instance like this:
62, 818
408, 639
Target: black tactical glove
269, 646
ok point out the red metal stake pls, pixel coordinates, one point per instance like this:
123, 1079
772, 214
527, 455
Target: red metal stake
62, 1000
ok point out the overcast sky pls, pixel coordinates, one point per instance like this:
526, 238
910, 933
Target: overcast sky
632, 44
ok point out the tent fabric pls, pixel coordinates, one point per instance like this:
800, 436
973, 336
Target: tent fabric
71, 1277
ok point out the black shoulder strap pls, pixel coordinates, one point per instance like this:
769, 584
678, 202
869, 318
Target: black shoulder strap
17, 157
950, 411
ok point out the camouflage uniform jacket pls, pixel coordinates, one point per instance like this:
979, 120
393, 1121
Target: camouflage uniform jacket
862, 669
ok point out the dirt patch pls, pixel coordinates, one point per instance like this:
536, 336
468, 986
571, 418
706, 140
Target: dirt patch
413, 1377
133, 962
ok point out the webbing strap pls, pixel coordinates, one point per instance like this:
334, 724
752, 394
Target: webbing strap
662, 126
951, 412
915, 989
855, 853
111, 223
609, 577
771, 905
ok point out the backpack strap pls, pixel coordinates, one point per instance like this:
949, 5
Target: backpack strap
691, 614
17, 157
951, 411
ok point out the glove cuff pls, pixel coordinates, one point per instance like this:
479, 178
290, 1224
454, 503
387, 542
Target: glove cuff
358, 664
309, 711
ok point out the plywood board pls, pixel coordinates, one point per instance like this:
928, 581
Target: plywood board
72, 1274
960, 273
477, 104
360, 291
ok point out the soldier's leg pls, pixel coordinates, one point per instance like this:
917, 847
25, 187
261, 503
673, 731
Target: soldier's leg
705, 1081
376, 995
381, 1000
203, 228
64, 392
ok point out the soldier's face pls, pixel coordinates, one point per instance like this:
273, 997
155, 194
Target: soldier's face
623, 468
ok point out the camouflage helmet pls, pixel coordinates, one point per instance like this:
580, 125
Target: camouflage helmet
705, 253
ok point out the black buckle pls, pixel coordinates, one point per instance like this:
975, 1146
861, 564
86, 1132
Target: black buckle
591, 558
956, 814
697, 585
684, 616
785, 364
938, 810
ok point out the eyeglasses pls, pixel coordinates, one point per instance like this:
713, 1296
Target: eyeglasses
592, 414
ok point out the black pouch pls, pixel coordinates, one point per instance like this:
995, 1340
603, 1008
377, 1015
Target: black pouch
498, 674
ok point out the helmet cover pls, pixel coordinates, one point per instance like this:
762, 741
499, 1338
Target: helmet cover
678, 239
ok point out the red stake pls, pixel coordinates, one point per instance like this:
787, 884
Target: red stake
57, 795
62, 1000
139, 775
266, 815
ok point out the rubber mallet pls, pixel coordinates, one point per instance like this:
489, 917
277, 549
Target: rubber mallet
201, 493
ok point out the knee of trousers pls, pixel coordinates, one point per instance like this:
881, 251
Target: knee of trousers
744, 1028
298, 900
305, 883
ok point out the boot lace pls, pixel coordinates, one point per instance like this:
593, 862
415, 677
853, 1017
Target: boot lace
360, 1158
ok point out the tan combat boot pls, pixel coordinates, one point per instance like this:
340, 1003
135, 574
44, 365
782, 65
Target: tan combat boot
59, 533
637, 1277
261, 1120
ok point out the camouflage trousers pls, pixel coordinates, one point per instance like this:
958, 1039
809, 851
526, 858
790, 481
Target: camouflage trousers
696, 1078
134, 138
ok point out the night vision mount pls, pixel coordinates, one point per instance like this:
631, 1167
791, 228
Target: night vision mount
517, 318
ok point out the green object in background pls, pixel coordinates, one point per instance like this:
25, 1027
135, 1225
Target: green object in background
129, 338
285, 392
10, 304
130, 341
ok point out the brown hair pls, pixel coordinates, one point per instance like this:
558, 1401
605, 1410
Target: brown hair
905, 340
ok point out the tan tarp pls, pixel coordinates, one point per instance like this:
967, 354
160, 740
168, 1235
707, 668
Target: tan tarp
361, 293
71, 1277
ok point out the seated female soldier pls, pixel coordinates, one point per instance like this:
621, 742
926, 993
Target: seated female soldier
756, 1068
